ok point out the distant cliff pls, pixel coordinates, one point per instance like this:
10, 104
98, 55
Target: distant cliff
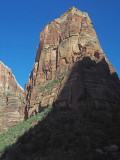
11, 96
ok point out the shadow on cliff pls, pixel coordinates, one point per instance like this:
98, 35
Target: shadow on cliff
84, 122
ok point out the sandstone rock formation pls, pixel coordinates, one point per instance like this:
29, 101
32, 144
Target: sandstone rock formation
63, 42
72, 73
11, 95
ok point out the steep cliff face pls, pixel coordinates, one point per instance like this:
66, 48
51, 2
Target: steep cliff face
72, 73
11, 96
64, 43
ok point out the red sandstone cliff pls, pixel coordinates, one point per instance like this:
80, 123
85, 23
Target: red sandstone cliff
11, 95
63, 42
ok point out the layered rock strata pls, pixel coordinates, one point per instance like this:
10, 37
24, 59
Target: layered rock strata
11, 96
63, 43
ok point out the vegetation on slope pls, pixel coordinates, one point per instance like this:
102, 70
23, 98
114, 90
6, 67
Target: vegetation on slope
49, 84
0, 112
68, 134
13, 133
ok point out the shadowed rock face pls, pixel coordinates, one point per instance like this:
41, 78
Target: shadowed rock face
11, 96
90, 84
84, 122
63, 42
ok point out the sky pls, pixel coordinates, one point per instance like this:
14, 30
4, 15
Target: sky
21, 22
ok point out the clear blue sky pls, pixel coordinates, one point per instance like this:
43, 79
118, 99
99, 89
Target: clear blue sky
21, 22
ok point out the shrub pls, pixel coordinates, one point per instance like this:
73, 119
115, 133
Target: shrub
0, 112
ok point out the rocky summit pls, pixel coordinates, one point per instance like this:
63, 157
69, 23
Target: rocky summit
11, 95
70, 67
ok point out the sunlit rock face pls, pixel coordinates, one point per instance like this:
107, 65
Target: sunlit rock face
11, 99
64, 43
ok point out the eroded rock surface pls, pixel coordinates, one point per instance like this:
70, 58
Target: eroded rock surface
72, 73
11, 96
63, 42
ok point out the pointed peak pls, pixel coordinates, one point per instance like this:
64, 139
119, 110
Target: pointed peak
72, 9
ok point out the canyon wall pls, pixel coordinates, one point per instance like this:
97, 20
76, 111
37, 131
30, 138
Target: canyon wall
11, 99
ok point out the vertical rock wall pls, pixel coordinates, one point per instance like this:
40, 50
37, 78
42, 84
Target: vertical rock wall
11, 99
63, 42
